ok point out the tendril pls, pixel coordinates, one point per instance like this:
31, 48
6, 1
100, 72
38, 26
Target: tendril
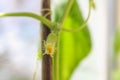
35, 71
47, 14
83, 25
46, 9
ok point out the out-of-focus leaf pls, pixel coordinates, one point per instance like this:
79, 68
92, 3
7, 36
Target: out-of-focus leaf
116, 74
117, 42
74, 47
92, 4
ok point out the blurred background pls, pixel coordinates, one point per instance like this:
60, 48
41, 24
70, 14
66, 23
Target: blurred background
19, 39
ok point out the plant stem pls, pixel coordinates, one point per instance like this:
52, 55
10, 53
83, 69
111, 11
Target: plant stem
57, 62
66, 11
46, 59
28, 14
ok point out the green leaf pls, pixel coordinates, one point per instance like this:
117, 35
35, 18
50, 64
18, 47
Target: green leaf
73, 47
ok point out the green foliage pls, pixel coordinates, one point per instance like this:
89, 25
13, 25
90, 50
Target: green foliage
73, 47
39, 56
116, 74
117, 42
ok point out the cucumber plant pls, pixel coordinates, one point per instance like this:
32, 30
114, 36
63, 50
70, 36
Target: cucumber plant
54, 62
